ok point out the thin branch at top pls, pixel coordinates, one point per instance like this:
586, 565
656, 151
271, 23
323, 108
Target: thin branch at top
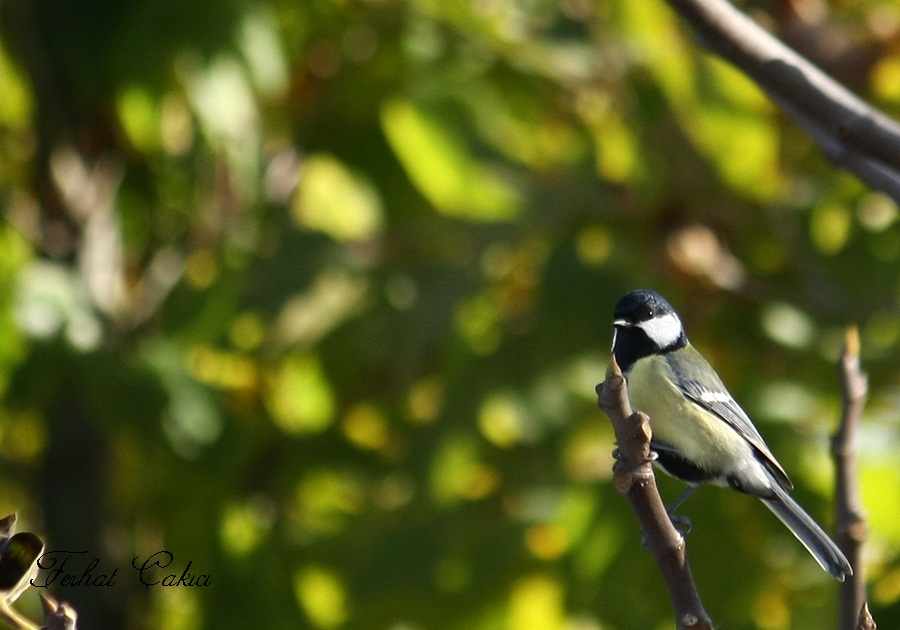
851, 133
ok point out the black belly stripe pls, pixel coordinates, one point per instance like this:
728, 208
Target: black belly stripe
681, 468
678, 466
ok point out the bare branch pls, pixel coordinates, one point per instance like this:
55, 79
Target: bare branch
15, 619
58, 615
850, 517
865, 621
851, 133
633, 475
20, 553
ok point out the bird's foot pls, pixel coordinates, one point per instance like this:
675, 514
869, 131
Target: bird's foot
652, 457
681, 523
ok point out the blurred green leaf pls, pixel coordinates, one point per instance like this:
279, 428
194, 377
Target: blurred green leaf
336, 201
442, 168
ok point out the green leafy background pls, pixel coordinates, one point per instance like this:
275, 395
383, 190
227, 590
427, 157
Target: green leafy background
314, 294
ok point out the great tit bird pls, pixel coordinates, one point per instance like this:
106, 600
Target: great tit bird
700, 434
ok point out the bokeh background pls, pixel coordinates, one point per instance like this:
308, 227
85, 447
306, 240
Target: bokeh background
314, 294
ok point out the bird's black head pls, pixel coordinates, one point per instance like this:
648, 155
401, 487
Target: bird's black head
645, 324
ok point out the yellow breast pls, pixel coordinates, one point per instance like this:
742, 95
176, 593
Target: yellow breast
697, 434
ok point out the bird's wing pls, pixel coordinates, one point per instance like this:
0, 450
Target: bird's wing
713, 397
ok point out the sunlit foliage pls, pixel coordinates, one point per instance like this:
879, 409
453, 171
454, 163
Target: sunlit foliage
314, 294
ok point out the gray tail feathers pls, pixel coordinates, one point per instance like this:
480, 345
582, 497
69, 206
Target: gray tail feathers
809, 533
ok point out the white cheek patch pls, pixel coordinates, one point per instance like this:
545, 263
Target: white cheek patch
664, 330
615, 332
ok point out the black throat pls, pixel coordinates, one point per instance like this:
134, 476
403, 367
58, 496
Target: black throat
632, 343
